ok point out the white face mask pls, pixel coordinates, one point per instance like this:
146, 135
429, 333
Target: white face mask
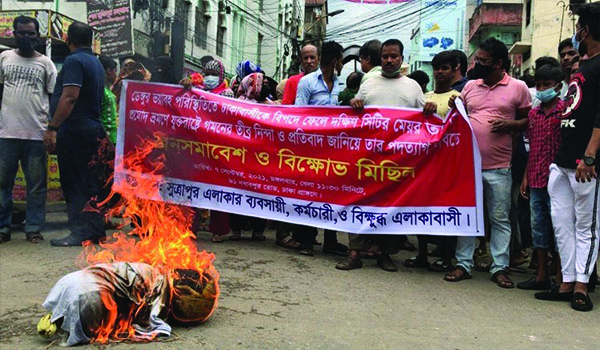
211, 82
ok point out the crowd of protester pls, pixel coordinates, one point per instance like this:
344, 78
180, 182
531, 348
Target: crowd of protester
538, 138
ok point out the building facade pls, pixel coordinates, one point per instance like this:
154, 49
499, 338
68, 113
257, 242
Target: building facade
441, 26
545, 24
262, 31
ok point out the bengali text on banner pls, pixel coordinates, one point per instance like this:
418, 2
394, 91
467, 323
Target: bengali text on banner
377, 171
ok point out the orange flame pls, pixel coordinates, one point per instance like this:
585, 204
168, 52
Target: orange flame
165, 240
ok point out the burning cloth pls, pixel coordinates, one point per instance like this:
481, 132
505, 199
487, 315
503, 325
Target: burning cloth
84, 302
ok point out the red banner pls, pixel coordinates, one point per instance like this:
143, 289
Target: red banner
382, 170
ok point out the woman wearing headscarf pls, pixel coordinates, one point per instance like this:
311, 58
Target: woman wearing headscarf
213, 80
164, 70
253, 88
132, 70
242, 70
279, 91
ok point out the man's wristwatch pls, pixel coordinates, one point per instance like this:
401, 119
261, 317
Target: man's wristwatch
589, 160
52, 128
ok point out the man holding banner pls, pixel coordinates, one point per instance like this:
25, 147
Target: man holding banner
321, 88
388, 89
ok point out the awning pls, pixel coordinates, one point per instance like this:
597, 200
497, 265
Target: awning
519, 48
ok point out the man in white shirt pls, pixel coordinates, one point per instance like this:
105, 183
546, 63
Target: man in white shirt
389, 88
27, 79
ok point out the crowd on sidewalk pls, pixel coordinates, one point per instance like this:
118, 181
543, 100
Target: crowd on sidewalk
538, 137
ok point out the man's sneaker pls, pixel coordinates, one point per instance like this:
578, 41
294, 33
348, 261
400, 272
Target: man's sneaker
349, 263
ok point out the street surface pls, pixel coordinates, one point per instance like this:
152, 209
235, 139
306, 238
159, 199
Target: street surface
272, 298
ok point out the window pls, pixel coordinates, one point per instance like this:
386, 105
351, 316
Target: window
201, 27
221, 28
182, 12
259, 49
528, 13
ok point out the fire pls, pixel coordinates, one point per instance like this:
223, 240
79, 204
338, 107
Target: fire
164, 241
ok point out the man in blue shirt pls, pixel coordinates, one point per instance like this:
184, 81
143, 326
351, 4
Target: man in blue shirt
75, 132
321, 88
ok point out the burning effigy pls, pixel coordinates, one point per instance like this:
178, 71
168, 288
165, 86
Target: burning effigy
139, 280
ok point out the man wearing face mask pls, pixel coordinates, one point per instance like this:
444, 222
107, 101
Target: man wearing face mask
497, 105
573, 183
390, 88
26, 80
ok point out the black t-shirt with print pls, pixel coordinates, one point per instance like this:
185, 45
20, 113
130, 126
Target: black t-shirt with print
582, 113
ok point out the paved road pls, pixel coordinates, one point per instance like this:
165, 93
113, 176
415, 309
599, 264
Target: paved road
276, 299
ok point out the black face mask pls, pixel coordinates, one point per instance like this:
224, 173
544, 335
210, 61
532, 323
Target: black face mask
26, 44
481, 71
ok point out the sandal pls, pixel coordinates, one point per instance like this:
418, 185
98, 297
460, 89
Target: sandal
581, 302
216, 239
440, 266
258, 236
502, 280
416, 261
288, 242
235, 236
457, 275
34, 237
4, 237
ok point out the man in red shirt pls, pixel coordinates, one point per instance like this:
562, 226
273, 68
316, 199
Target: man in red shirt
309, 55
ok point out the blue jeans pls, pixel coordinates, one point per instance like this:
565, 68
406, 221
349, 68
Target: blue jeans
33, 158
496, 191
76, 145
541, 223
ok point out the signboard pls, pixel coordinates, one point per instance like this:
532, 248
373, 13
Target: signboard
442, 24
112, 18
6, 21
379, 171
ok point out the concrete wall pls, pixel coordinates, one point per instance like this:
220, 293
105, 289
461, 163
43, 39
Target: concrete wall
493, 14
544, 31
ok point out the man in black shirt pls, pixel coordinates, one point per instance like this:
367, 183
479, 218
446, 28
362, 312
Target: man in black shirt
76, 131
573, 183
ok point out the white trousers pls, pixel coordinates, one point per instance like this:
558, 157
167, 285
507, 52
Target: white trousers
575, 221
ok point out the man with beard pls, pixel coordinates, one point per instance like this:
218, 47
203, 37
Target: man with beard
573, 182
493, 101
26, 80
390, 88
